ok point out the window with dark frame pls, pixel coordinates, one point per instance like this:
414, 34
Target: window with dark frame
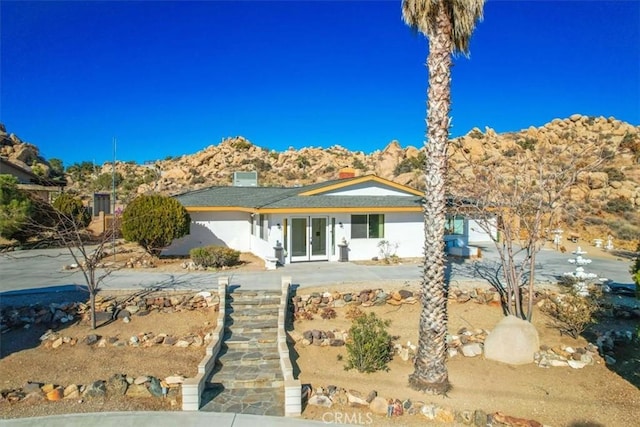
370, 226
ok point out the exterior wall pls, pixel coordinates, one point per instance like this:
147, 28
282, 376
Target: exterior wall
367, 189
478, 235
402, 229
230, 229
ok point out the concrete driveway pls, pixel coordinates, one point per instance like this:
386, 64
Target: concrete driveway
36, 270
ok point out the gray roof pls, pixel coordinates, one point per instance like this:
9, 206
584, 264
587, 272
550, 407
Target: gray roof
288, 198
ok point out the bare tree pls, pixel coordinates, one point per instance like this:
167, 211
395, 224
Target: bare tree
518, 192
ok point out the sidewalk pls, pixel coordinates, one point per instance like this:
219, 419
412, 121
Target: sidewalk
159, 419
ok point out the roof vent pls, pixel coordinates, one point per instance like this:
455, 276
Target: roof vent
245, 179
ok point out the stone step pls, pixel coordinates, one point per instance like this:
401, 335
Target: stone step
246, 376
257, 401
254, 357
249, 328
253, 313
274, 303
250, 340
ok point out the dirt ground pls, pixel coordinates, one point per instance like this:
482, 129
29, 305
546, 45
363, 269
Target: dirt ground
592, 396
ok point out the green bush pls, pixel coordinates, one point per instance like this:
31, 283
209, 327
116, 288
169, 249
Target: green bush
15, 208
73, 210
369, 347
154, 221
214, 256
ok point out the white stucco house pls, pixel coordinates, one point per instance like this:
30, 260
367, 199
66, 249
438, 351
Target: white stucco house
311, 223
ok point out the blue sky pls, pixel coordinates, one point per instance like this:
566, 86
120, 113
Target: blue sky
171, 78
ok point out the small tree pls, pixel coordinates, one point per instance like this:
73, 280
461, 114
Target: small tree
369, 346
154, 221
519, 196
22, 215
71, 207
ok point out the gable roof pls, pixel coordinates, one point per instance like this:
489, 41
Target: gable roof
309, 198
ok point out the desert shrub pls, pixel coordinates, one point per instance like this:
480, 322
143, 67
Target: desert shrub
303, 162
623, 230
154, 221
353, 312
527, 143
73, 210
614, 174
619, 204
369, 347
359, 164
198, 179
214, 256
572, 313
631, 142
410, 164
593, 220
328, 313
241, 144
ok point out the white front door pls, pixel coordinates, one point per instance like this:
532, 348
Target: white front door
309, 239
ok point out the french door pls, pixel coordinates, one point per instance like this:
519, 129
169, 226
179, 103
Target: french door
309, 238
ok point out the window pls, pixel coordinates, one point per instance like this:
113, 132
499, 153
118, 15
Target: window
454, 225
264, 225
367, 226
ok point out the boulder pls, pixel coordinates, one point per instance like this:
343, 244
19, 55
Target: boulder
379, 405
513, 341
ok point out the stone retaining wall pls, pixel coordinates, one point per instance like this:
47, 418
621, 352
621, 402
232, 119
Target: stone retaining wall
192, 388
292, 386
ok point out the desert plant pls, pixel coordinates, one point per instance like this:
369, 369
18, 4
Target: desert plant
353, 312
154, 221
328, 313
369, 346
214, 256
571, 312
614, 174
388, 251
72, 209
619, 204
359, 164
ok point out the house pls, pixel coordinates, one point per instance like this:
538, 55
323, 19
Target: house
43, 188
328, 221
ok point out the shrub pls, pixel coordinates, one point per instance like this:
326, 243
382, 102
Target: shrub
73, 210
359, 164
369, 346
214, 256
241, 144
614, 174
527, 143
571, 312
154, 221
619, 204
328, 313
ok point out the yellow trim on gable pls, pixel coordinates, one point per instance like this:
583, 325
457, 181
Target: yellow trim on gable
359, 180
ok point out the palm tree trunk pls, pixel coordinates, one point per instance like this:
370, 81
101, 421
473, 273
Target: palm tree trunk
430, 372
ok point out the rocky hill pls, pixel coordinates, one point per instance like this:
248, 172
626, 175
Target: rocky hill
617, 179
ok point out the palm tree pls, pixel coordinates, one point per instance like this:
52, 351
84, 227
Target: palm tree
448, 25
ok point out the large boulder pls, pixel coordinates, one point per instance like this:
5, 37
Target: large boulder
513, 341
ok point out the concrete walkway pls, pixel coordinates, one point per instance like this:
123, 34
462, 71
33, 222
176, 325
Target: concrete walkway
159, 419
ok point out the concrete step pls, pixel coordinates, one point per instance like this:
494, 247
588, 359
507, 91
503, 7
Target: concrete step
250, 339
